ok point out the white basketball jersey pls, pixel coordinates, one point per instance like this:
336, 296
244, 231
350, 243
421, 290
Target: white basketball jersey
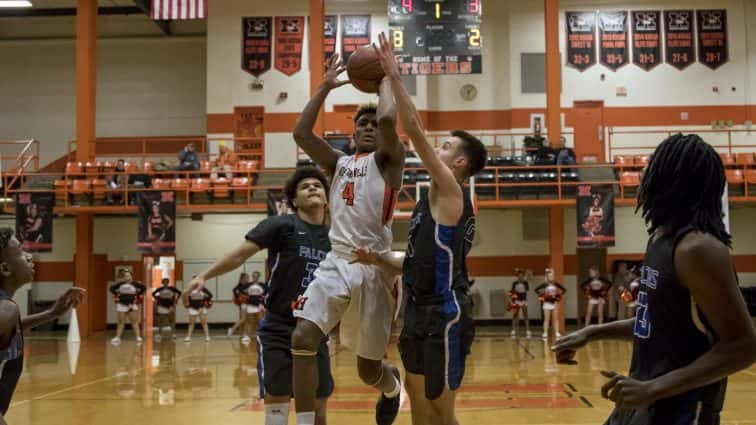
362, 206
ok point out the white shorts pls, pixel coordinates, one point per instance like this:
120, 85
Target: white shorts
356, 295
549, 306
126, 308
521, 303
252, 309
197, 312
596, 301
163, 310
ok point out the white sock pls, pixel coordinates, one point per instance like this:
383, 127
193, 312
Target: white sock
397, 389
306, 418
277, 414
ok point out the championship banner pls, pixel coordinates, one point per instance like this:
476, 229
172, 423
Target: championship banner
330, 31
712, 38
256, 45
355, 33
34, 221
289, 38
157, 222
613, 51
646, 38
678, 38
581, 39
595, 216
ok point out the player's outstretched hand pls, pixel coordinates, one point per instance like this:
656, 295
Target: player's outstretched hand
385, 54
627, 392
364, 256
71, 298
198, 282
334, 68
566, 346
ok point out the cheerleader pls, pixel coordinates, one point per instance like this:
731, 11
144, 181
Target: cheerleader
255, 296
240, 299
127, 294
550, 294
518, 302
198, 301
596, 289
629, 295
165, 299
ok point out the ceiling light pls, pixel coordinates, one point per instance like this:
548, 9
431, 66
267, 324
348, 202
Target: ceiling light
15, 3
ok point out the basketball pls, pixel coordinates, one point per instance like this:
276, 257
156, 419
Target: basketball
365, 70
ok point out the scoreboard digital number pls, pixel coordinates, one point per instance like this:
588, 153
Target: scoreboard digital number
436, 37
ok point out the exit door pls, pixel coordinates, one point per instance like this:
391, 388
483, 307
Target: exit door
588, 117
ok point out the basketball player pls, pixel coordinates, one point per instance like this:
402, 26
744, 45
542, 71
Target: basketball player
127, 294
240, 299
16, 270
296, 243
166, 298
550, 294
692, 328
198, 301
438, 325
363, 192
518, 297
596, 289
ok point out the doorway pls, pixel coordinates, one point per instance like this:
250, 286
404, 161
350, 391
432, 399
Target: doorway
588, 123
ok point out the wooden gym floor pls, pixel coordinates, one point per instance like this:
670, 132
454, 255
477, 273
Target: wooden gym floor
507, 382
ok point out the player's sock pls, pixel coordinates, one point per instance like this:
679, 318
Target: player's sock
306, 418
277, 414
394, 392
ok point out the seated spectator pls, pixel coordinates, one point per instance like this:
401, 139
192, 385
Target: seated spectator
565, 155
188, 159
225, 162
117, 180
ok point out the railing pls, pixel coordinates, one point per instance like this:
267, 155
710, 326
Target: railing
28, 155
656, 136
495, 187
144, 148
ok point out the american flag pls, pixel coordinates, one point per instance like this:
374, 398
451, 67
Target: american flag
179, 9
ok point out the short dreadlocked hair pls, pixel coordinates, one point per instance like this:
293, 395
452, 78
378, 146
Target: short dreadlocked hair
6, 234
683, 185
301, 173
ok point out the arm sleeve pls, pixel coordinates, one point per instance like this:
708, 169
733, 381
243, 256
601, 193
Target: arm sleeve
155, 292
266, 234
539, 288
560, 287
175, 291
114, 288
513, 286
208, 293
140, 288
237, 290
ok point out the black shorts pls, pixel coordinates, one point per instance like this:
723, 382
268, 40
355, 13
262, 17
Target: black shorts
434, 344
274, 361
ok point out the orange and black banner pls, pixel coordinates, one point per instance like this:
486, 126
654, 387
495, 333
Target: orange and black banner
581, 39
712, 37
289, 38
678, 38
256, 45
34, 221
157, 222
330, 32
595, 216
613, 51
355, 33
646, 38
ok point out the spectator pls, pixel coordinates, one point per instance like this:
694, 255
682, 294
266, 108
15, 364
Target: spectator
117, 180
189, 159
225, 162
565, 155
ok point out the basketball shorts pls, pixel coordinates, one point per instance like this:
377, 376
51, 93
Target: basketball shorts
274, 361
198, 311
125, 308
358, 296
434, 343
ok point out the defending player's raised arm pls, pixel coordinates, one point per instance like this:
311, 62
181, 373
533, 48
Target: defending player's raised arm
228, 262
390, 152
315, 146
441, 175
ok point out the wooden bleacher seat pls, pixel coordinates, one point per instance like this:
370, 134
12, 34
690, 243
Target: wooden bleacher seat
221, 188
161, 184
751, 177
60, 188
642, 160
735, 177
98, 188
200, 184
623, 161
179, 184
744, 159
73, 168
727, 159
630, 180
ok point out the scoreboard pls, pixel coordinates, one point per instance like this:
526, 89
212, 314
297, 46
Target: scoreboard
435, 37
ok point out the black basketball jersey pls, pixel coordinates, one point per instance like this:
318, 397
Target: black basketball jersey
11, 361
295, 250
670, 330
435, 264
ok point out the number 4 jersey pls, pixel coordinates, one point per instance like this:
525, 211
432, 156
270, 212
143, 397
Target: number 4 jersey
362, 206
295, 249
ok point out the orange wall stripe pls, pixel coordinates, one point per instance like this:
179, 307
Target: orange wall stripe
220, 123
